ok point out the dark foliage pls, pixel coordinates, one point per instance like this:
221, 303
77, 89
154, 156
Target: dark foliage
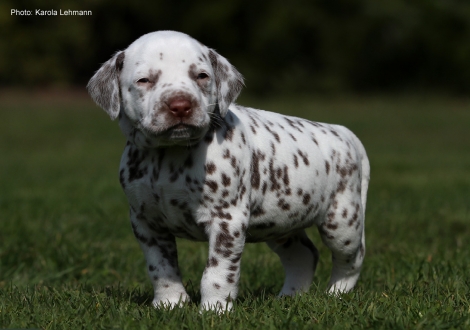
300, 45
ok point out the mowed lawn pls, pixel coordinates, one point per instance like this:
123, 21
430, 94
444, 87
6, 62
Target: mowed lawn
68, 259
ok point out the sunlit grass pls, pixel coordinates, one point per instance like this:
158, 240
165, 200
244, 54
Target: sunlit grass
68, 258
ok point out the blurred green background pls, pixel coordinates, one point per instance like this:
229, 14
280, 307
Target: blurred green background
307, 46
396, 72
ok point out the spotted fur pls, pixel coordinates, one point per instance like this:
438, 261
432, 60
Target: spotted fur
198, 166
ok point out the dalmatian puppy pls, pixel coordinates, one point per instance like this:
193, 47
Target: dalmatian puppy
198, 166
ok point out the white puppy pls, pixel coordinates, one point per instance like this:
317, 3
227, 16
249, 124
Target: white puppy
198, 166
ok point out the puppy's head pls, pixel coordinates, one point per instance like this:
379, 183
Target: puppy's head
165, 88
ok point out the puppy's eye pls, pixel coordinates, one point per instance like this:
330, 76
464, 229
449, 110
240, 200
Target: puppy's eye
143, 80
202, 75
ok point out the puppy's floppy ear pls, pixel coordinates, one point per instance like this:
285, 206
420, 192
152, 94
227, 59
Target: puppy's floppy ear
104, 87
228, 80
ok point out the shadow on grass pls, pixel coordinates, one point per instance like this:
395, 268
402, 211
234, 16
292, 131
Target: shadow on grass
257, 296
137, 295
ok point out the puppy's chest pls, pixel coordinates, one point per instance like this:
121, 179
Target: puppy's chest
171, 189
167, 189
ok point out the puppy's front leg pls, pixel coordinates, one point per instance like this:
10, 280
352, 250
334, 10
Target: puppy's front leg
159, 248
219, 284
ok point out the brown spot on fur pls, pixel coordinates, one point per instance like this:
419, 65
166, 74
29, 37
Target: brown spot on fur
306, 199
283, 205
296, 161
212, 262
226, 180
285, 177
210, 168
257, 212
212, 185
304, 157
327, 167
265, 187
230, 278
237, 257
332, 226
341, 186
255, 174
276, 136
353, 219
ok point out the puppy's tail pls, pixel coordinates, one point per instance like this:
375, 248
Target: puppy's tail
365, 178
365, 169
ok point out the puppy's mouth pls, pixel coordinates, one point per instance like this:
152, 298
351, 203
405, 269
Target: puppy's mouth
178, 134
181, 132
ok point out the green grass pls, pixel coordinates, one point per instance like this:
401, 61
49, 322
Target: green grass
68, 259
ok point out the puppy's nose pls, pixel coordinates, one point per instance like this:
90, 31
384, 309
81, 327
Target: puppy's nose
180, 107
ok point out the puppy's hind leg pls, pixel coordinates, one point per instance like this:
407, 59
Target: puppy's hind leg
343, 233
299, 257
